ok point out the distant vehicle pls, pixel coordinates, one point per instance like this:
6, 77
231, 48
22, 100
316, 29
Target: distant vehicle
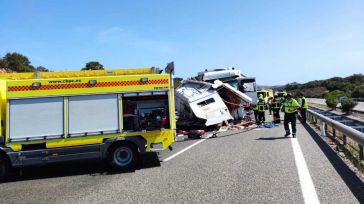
342, 98
51, 117
266, 94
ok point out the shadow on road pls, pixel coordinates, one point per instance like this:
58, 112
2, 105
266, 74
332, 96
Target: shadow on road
272, 138
230, 133
84, 167
349, 177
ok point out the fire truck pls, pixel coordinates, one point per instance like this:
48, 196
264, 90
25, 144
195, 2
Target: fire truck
49, 117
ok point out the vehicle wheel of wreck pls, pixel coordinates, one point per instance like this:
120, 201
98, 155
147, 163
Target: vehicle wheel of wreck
123, 156
4, 167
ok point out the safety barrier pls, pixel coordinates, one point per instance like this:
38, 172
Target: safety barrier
336, 127
358, 99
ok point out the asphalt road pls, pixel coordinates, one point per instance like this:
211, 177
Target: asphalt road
358, 107
256, 166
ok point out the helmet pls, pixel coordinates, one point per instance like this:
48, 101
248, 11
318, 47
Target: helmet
260, 96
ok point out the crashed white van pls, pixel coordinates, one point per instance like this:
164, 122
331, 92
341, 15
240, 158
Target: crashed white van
205, 104
200, 104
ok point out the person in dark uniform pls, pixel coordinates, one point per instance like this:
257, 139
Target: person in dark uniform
276, 106
262, 107
304, 107
255, 110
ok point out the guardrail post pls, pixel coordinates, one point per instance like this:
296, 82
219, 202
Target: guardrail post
323, 129
333, 132
361, 154
309, 116
344, 139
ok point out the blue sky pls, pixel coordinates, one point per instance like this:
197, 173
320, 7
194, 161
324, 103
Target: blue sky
276, 41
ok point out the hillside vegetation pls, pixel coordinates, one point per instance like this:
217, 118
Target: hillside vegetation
352, 86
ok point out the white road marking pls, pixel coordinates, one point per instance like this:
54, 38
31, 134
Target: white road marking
307, 186
185, 149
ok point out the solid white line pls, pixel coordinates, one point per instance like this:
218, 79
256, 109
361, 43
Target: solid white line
307, 186
185, 149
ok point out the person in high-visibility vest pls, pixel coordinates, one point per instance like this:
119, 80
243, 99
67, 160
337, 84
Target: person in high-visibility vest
262, 106
276, 105
283, 98
304, 107
270, 105
290, 108
255, 110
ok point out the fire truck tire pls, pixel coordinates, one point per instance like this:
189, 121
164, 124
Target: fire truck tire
4, 167
123, 156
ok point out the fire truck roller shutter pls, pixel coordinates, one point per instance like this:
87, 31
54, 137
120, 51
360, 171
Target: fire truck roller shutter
93, 114
35, 118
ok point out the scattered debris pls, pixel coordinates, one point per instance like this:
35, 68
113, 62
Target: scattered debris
196, 134
268, 125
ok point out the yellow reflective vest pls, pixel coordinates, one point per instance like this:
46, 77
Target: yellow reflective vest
304, 104
275, 104
291, 106
261, 106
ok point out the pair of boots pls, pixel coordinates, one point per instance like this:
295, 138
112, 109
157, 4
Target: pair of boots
288, 133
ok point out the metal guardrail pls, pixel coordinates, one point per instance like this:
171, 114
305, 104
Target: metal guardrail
355, 135
339, 104
358, 99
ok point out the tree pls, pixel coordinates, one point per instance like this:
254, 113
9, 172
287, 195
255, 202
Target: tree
332, 98
358, 92
93, 65
347, 105
42, 69
17, 62
2, 63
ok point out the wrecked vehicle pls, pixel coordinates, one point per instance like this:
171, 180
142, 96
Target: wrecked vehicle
213, 97
234, 78
199, 104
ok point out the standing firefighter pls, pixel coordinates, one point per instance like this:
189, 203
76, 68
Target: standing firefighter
262, 106
270, 105
290, 108
276, 105
255, 110
304, 107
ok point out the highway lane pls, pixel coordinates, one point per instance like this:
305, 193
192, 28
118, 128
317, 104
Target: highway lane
358, 107
257, 166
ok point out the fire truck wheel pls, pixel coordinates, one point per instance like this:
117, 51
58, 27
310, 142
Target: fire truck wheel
123, 156
4, 167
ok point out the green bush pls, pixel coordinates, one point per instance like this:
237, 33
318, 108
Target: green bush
331, 101
358, 92
347, 105
332, 98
